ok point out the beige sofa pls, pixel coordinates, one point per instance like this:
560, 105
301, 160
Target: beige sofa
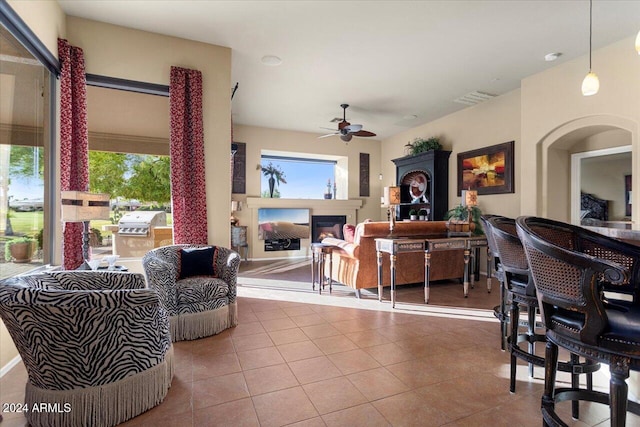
355, 264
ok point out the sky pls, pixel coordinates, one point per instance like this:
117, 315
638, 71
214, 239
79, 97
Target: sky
305, 180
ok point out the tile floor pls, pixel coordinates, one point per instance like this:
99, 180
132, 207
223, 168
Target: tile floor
302, 359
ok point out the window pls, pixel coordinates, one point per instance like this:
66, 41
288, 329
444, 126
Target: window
128, 158
307, 176
25, 147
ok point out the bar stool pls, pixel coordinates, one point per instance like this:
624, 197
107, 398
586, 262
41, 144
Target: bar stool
572, 268
494, 268
522, 293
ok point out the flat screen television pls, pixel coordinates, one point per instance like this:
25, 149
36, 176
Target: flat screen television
276, 223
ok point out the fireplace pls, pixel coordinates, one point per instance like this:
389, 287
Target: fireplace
323, 226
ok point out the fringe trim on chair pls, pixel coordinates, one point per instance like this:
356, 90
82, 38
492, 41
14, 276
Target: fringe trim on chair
101, 406
197, 325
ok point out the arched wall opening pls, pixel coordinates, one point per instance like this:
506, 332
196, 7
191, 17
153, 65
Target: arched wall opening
581, 135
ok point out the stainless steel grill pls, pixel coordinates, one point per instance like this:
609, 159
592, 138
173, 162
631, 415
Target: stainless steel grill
140, 231
139, 223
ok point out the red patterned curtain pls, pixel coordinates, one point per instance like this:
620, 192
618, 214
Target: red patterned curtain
188, 193
74, 142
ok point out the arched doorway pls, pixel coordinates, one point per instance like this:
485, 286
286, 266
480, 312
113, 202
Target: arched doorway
580, 135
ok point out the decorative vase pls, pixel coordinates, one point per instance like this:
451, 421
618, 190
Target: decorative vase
327, 195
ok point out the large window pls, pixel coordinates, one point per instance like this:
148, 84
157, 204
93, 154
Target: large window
306, 176
25, 99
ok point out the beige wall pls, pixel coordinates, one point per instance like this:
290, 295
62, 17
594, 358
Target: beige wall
492, 122
258, 139
138, 55
553, 106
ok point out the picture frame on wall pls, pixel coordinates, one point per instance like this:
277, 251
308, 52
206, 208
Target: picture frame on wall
487, 170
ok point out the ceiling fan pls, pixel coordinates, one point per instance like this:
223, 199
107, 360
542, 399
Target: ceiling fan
346, 130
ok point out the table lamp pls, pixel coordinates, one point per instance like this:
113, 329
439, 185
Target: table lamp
391, 200
82, 206
469, 199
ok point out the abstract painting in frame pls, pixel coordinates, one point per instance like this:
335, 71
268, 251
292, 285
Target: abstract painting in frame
487, 170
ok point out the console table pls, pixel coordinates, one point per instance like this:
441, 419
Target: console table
395, 246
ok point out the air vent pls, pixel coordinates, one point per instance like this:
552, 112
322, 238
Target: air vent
473, 98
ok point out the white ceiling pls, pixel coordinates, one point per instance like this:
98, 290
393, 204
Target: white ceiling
387, 59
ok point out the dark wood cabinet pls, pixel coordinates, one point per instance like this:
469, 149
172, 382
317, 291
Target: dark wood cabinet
424, 183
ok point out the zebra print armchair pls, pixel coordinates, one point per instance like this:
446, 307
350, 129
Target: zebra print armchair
200, 299
95, 344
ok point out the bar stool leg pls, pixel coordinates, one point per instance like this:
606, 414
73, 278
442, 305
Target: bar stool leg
550, 370
575, 383
618, 391
515, 315
531, 316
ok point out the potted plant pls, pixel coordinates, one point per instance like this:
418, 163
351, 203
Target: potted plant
420, 145
464, 219
275, 174
413, 215
423, 214
19, 249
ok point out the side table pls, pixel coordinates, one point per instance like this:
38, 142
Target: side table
239, 239
318, 253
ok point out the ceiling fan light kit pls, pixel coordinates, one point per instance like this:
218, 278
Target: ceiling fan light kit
346, 130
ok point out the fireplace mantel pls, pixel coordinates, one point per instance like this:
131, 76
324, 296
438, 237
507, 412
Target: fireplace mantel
266, 202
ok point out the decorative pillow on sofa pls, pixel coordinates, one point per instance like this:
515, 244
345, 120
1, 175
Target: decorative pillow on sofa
198, 262
348, 232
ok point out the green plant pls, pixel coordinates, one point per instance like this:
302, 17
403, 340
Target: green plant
422, 212
40, 238
413, 212
420, 145
96, 232
13, 241
461, 213
273, 172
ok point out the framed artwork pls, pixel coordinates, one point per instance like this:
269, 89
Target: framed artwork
238, 168
487, 170
364, 174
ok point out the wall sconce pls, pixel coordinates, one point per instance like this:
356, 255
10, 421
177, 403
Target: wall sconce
391, 199
82, 206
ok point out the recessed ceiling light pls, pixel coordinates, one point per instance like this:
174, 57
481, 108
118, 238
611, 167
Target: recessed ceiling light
271, 60
549, 57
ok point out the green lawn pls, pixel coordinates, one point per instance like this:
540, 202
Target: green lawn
29, 223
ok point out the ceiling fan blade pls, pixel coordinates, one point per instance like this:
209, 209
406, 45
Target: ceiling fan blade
363, 133
343, 124
352, 128
331, 129
328, 135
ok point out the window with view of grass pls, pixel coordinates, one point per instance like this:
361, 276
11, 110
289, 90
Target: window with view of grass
303, 175
25, 142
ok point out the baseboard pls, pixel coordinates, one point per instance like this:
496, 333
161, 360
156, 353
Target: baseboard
6, 368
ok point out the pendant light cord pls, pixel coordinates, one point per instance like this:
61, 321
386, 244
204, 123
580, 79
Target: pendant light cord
590, 30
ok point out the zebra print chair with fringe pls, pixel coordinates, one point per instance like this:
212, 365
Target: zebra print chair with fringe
96, 345
197, 286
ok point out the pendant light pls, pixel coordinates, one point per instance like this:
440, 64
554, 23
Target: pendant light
590, 84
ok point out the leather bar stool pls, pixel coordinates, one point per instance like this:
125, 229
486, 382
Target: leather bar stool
573, 269
522, 294
499, 311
